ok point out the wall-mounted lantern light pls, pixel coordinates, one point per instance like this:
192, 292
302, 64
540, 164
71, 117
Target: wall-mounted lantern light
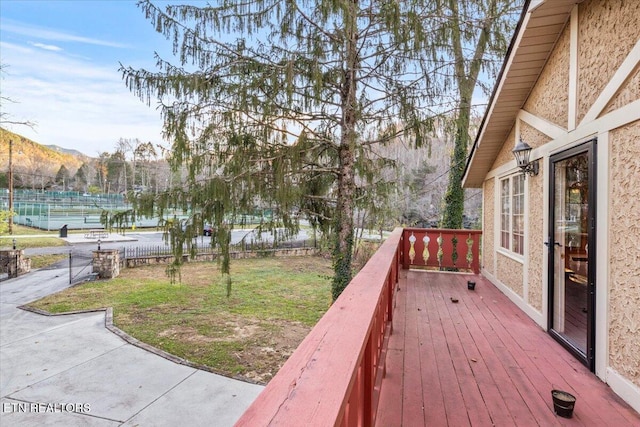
99, 244
522, 153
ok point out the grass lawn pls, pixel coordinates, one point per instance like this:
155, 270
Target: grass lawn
274, 304
39, 261
6, 241
31, 242
21, 230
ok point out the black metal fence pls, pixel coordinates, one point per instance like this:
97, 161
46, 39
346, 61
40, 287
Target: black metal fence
165, 250
150, 251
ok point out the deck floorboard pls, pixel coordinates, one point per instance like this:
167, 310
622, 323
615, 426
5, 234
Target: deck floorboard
481, 362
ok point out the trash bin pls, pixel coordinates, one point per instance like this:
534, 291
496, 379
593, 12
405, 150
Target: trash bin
63, 231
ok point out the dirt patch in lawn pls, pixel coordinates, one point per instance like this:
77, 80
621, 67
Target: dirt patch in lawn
265, 346
270, 350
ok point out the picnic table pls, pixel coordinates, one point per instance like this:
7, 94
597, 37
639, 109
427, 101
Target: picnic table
96, 234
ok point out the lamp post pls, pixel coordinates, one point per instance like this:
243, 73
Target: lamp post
522, 152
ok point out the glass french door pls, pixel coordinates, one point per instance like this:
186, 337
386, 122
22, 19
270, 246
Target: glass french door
572, 249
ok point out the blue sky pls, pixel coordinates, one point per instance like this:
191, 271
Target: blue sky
61, 61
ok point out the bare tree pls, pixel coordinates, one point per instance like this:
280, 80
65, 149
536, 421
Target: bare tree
5, 117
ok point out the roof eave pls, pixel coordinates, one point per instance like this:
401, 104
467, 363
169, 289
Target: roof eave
536, 34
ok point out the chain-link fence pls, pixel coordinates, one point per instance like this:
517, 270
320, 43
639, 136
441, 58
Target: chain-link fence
78, 266
51, 210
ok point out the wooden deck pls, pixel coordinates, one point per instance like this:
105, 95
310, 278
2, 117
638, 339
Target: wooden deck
481, 362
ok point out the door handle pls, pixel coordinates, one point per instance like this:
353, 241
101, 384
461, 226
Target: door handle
555, 243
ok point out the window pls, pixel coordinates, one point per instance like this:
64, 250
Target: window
505, 212
512, 213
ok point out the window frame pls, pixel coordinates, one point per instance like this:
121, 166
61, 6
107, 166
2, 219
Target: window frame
512, 224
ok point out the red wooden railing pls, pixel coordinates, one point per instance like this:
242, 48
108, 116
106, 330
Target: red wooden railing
335, 375
441, 248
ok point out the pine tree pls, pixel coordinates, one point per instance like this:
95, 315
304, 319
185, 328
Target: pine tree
81, 177
279, 104
62, 177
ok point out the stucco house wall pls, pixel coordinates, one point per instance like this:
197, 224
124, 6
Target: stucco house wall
607, 30
588, 88
629, 93
624, 250
509, 272
533, 136
537, 253
488, 229
549, 98
505, 156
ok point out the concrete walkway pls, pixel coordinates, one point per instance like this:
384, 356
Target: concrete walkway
70, 371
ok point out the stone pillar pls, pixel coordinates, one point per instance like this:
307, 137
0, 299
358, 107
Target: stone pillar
106, 263
14, 263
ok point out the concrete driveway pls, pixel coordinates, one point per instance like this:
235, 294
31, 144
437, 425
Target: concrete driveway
70, 371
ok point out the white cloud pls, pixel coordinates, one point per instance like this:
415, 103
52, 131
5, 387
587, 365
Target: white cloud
47, 46
53, 35
75, 102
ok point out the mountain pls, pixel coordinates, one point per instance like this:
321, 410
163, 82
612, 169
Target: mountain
67, 151
36, 164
